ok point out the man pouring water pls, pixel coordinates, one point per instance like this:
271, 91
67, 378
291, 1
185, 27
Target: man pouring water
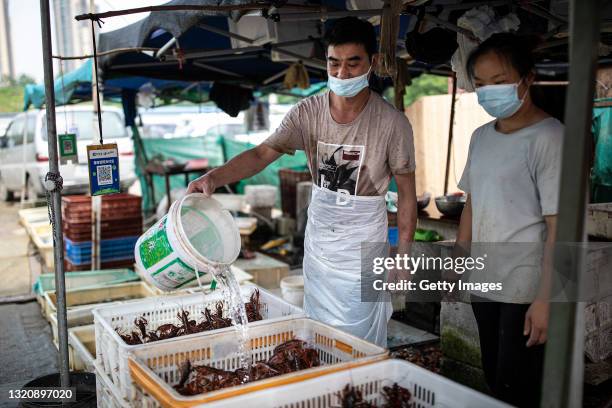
354, 141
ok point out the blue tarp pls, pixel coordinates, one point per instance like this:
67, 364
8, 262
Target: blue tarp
75, 86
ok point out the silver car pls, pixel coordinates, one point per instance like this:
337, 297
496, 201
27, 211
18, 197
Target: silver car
24, 157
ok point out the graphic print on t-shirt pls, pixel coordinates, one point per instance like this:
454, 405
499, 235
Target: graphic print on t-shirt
338, 166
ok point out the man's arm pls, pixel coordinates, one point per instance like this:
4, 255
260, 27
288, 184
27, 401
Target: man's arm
244, 165
406, 211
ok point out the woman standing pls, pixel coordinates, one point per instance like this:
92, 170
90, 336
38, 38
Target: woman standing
512, 181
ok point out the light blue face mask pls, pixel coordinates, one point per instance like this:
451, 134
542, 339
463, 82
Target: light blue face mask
348, 87
500, 101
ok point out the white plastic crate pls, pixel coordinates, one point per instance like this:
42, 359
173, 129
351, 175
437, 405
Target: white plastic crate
112, 351
108, 395
156, 367
82, 348
428, 389
80, 302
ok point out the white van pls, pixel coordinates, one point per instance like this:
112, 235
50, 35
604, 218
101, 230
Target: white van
24, 149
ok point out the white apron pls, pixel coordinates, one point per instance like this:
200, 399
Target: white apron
337, 226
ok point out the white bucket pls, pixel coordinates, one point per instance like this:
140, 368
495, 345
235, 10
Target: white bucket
292, 288
197, 233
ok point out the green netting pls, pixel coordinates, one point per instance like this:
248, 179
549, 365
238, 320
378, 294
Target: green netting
601, 175
270, 174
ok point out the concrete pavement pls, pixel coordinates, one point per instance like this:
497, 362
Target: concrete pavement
17, 271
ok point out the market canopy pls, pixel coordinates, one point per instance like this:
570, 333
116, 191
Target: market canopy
75, 87
253, 47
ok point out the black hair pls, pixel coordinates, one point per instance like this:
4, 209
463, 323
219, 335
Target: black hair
351, 30
516, 50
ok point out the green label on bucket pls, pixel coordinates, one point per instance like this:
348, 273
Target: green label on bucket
175, 274
156, 247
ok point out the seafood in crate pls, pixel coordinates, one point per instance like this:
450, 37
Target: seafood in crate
366, 386
288, 357
162, 313
158, 367
395, 396
211, 320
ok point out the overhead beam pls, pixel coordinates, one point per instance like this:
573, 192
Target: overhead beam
145, 65
217, 53
324, 14
187, 7
165, 47
226, 33
216, 69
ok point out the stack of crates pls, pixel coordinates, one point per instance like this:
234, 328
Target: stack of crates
121, 225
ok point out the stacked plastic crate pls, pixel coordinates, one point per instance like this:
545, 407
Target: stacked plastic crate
121, 225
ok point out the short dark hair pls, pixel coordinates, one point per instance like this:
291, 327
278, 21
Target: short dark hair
351, 30
516, 50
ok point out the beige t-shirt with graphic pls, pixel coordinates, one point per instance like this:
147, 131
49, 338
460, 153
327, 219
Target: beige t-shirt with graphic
354, 158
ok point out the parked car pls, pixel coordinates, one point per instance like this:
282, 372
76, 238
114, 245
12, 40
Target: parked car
5, 119
24, 150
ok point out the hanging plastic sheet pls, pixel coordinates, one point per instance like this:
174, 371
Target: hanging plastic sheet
180, 150
270, 174
601, 175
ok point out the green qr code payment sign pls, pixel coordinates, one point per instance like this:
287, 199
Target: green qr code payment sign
68, 147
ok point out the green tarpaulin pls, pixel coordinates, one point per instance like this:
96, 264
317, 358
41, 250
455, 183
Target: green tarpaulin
216, 149
270, 174
180, 150
601, 175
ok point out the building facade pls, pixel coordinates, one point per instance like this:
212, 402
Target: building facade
7, 69
72, 37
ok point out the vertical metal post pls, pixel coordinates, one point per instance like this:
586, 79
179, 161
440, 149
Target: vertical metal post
56, 198
96, 201
562, 382
450, 133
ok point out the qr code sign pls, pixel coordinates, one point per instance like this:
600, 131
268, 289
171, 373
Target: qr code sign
68, 147
104, 174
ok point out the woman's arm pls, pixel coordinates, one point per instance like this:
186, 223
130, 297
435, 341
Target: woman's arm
536, 318
464, 233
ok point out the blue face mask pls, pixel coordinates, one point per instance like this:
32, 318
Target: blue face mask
348, 87
500, 101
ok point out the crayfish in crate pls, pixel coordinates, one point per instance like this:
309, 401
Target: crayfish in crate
212, 320
395, 396
293, 355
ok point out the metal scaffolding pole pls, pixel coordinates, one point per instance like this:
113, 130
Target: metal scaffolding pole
562, 377
53, 184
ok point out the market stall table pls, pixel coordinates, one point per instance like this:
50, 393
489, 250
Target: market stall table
267, 272
432, 219
166, 170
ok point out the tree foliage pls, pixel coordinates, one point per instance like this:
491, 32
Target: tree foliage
425, 85
11, 95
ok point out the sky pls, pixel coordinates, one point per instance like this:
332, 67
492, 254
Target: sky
26, 33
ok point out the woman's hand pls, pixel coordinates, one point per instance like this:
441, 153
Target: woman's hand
536, 322
204, 184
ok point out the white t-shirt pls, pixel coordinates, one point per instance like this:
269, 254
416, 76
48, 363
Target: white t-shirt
513, 182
